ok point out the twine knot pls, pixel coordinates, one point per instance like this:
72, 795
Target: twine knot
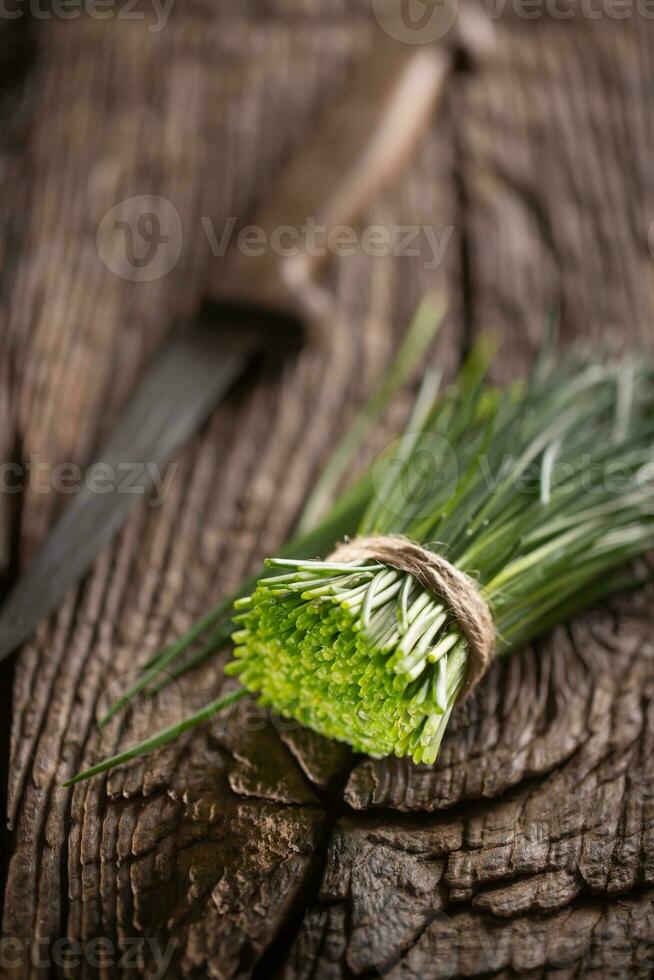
444, 581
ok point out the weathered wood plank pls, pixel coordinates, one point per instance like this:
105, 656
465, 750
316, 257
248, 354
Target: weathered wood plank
233, 844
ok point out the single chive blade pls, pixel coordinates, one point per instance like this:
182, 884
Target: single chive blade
160, 738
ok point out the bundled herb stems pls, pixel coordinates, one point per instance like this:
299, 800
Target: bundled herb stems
526, 500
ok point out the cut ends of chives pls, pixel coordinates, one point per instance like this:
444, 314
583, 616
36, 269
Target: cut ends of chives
358, 652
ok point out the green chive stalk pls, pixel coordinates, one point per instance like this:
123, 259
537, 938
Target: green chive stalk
540, 492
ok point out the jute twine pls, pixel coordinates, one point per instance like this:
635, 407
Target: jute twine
444, 581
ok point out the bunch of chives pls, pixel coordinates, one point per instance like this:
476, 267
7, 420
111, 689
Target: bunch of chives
539, 491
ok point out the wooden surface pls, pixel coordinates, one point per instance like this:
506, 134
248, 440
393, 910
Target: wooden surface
254, 851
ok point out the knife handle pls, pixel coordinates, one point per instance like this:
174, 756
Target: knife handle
362, 142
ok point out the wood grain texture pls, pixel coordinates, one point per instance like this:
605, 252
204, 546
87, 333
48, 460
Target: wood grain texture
252, 848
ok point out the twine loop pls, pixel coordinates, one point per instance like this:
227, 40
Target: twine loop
444, 581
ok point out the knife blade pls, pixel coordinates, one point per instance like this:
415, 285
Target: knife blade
179, 390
